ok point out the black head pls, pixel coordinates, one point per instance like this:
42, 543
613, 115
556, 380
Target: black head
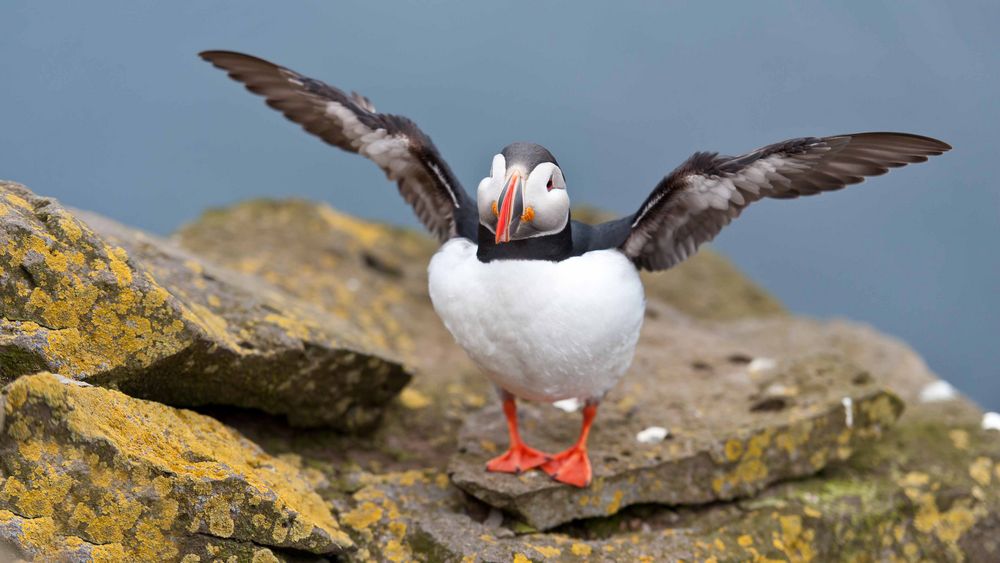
524, 197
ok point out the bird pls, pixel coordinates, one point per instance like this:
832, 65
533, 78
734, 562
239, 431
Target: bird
550, 308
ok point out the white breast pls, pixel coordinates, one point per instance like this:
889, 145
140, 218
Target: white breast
541, 330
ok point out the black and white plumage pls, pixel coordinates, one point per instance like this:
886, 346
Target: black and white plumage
350, 122
694, 202
687, 208
548, 307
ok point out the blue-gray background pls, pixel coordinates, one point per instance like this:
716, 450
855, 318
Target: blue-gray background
105, 106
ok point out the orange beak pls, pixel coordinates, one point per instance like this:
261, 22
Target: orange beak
509, 197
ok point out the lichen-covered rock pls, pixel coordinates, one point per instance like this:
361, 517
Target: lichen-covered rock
929, 490
88, 473
789, 422
100, 302
371, 275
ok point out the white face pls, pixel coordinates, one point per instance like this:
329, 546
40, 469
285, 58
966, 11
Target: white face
519, 204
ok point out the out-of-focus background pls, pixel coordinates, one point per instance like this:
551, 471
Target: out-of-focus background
106, 107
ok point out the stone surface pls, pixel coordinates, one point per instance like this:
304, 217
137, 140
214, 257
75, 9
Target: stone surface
731, 436
95, 473
929, 491
401, 503
100, 302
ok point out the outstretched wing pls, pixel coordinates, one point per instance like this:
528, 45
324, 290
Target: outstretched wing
694, 202
350, 122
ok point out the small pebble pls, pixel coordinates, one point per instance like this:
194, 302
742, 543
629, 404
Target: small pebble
848, 411
568, 405
940, 390
652, 435
759, 365
991, 421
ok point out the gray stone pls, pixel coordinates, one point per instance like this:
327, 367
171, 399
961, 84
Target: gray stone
732, 435
101, 302
88, 473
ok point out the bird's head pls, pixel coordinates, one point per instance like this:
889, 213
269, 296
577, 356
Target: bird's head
525, 194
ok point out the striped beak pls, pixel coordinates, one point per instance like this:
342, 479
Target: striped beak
509, 208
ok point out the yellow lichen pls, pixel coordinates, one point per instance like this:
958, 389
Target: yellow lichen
959, 438
413, 399
264, 555
18, 201
794, 541
980, 470
734, 449
616, 502
546, 551
395, 551
362, 516
220, 521
150, 474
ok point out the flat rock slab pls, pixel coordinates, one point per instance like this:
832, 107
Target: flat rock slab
730, 437
101, 302
92, 473
926, 491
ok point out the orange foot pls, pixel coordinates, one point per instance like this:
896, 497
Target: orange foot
570, 466
517, 459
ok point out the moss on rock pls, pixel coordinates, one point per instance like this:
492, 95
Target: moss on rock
912, 496
100, 302
86, 468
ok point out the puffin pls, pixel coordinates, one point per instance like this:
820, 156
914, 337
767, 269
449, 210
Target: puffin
550, 308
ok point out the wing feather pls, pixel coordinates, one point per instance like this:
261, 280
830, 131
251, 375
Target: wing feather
704, 194
350, 122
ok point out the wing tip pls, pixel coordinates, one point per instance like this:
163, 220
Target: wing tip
929, 145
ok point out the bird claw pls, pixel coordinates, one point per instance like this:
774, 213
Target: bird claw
516, 459
571, 466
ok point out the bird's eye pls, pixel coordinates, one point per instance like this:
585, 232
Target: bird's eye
549, 185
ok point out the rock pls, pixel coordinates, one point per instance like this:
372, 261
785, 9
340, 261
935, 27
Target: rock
926, 491
100, 302
714, 345
88, 473
732, 435
402, 503
371, 275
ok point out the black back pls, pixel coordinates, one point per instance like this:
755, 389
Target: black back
575, 239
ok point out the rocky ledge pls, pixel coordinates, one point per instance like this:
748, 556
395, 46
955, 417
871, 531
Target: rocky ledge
105, 476
796, 420
740, 433
102, 303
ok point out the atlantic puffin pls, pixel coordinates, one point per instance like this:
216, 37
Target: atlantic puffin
548, 307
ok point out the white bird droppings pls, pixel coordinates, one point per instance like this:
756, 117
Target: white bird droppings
759, 365
940, 390
652, 435
848, 411
67, 381
991, 421
568, 405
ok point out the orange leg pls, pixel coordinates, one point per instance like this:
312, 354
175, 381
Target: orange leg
572, 466
518, 457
